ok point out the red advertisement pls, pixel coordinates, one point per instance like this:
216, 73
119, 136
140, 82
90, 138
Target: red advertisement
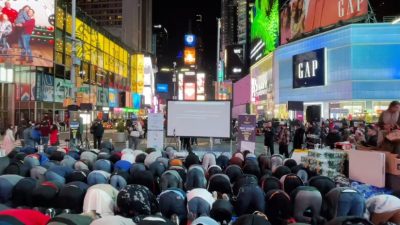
304, 16
189, 91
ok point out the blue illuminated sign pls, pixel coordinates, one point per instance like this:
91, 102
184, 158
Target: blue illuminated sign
190, 40
309, 69
162, 88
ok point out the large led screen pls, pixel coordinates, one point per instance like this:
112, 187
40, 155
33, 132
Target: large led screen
304, 16
27, 32
264, 28
199, 119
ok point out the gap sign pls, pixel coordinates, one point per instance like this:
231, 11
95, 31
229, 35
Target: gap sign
309, 69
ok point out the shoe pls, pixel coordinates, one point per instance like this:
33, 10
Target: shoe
51, 212
21, 59
30, 61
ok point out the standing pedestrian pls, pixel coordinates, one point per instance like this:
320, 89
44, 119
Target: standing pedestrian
9, 140
135, 130
269, 134
45, 127
97, 130
35, 134
27, 136
298, 139
284, 139
54, 141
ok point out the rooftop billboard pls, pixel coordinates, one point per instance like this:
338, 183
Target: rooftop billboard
304, 16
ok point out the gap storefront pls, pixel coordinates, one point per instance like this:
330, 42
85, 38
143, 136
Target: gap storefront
350, 72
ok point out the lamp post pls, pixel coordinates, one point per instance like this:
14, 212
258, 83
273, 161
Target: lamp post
73, 53
174, 79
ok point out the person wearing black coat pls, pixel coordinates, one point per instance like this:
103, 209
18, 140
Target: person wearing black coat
333, 137
298, 138
269, 134
97, 130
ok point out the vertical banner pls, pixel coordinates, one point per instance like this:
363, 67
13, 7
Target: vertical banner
155, 134
247, 133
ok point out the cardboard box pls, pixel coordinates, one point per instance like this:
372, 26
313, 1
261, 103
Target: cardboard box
392, 164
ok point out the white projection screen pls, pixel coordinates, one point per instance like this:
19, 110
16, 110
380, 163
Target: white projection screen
199, 119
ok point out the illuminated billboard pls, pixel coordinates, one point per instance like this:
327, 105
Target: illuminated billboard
201, 77
264, 33
27, 35
189, 56
189, 91
305, 16
190, 40
162, 88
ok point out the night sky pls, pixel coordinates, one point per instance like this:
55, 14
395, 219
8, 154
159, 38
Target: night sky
175, 16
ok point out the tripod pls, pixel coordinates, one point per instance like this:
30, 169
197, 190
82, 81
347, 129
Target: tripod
175, 141
86, 142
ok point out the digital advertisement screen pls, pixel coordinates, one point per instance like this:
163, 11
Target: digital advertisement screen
304, 16
162, 88
189, 91
189, 56
190, 40
264, 28
27, 32
113, 97
309, 69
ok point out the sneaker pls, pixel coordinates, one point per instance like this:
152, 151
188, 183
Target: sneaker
51, 212
175, 219
30, 61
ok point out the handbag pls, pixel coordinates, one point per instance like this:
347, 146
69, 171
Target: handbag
393, 136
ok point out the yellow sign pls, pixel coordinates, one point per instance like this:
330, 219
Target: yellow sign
189, 56
137, 74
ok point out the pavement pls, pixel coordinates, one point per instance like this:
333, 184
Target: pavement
203, 146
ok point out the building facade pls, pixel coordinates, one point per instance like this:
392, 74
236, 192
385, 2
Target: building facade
350, 72
115, 80
130, 20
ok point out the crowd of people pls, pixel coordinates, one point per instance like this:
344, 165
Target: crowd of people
114, 186
106, 185
19, 26
329, 132
31, 134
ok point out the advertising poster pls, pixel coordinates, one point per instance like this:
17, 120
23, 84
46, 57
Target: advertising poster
47, 88
155, 121
247, 133
137, 100
304, 16
264, 28
155, 139
33, 23
113, 98
25, 86
62, 89
200, 83
189, 56
190, 91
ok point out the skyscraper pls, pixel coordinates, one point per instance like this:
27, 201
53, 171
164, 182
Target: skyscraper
130, 20
244, 8
228, 23
160, 45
